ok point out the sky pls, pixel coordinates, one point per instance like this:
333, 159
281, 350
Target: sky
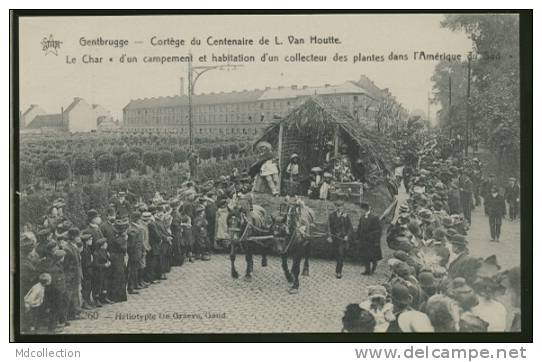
48, 80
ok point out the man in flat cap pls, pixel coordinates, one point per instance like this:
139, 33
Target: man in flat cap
340, 232
123, 208
135, 250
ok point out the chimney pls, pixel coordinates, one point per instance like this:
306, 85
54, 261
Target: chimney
62, 114
327, 85
182, 87
294, 87
305, 86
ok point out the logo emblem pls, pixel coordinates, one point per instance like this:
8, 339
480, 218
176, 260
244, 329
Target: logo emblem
50, 45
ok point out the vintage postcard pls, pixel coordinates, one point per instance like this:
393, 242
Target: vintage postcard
268, 173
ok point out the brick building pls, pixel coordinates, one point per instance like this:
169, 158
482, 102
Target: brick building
242, 113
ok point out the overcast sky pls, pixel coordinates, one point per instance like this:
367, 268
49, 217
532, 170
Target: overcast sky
48, 81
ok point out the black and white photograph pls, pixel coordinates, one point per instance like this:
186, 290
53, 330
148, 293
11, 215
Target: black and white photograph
296, 173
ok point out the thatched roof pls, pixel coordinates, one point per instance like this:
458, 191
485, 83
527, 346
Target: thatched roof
320, 116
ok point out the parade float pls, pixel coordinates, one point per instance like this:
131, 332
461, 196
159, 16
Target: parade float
328, 147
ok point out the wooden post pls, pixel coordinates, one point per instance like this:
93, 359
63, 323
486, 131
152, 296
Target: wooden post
279, 153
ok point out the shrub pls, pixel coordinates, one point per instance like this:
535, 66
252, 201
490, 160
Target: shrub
57, 170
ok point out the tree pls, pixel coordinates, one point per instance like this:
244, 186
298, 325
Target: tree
151, 159
217, 152
166, 159
129, 161
180, 155
204, 153
83, 166
106, 163
495, 96
57, 170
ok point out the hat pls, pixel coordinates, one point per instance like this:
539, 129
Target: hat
122, 193
294, 155
51, 245
427, 280
264, 144
85, 236
121, 224
91, 214
146, 215
59, 254
26, 243
376, 291
404, 208
327, 175
489, 267
402, 269
426, 215
511, 179
316, 169
134, 216
73, 232
200, 208
100, 241
400, 294
59, 202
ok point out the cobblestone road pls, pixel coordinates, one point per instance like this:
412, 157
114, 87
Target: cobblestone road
182, 303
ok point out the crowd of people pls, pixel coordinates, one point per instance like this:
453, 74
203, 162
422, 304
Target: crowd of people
435, 285
65, 269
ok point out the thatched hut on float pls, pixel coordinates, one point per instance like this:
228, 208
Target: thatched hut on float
317, 124
307, 130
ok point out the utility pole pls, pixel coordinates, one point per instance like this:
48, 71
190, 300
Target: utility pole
450, 101
193, 75
467, 113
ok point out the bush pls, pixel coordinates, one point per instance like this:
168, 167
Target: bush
151, 159
57, 170
83, 166
166, 159
129, 161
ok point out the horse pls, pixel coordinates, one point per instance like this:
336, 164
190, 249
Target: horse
244, 225
293, 238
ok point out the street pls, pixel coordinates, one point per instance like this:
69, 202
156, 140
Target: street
203, 298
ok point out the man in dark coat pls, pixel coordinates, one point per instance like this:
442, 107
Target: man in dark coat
511, 195
465, 190
495, 208
93, 228
135, 252
153, 256
340, 230
72, 271
86, 271
117, 251
368, 235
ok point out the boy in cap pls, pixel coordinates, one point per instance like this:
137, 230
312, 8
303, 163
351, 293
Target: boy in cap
340, 232
33, 302
55, 298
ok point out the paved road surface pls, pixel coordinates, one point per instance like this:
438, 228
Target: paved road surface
180, 304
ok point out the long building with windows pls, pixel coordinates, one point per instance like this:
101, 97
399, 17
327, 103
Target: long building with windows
242, 113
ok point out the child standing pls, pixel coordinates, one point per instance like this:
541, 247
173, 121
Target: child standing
33, 301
